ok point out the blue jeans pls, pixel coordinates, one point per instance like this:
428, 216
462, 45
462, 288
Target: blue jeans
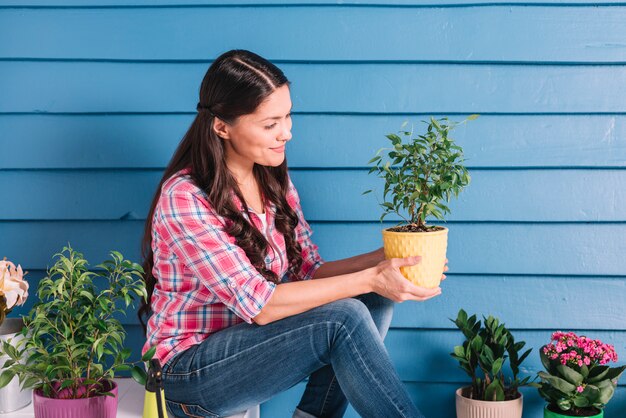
338, 345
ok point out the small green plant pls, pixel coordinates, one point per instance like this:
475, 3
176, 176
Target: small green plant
72, 342
577, 381
482, 357
422, 173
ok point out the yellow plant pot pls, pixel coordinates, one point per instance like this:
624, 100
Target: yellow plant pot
431, 246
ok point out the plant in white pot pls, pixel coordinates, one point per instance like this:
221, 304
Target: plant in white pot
482, 356
13, 292
72, 342
421, 175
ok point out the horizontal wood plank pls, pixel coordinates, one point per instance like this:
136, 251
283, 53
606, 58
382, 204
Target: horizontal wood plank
473, 248
320, 141
545, 302
500, 33
356, 88
270, 3
334, 195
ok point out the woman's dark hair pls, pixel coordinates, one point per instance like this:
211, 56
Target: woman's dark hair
234, 85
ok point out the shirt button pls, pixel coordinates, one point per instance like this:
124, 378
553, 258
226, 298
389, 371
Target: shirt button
232, 283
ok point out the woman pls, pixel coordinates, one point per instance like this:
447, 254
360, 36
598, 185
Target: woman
242, 305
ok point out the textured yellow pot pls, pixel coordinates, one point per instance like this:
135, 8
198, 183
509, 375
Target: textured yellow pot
431, 246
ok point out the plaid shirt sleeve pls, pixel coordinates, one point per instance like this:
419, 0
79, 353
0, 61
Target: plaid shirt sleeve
197, 237
311, 259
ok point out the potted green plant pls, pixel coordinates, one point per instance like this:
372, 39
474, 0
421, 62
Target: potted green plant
72, 342
577, 381
421, 175
482, 356
13, 292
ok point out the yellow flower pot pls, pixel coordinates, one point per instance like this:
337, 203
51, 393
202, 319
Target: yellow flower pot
431, 246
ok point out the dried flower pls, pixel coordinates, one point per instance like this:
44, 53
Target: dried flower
12, 284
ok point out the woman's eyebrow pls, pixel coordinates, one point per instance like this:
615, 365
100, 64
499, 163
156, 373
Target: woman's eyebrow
276, 117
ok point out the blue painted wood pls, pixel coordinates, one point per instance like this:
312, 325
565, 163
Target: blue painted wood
362, 88
469, 34
559, 268
494, 195
78, 4
320, 141
473, 248
434, 400
502, 296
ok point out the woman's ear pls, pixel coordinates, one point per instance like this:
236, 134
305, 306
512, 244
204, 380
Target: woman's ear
221, 128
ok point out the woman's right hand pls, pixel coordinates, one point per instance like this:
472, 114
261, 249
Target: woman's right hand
390, 283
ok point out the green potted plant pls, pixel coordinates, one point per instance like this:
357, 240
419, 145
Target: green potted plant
421, 175
72, 342
577, 381
482, 356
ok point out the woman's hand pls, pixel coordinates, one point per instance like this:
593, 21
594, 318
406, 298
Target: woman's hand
390, 283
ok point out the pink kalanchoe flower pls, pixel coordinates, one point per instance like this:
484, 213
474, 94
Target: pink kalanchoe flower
579, 389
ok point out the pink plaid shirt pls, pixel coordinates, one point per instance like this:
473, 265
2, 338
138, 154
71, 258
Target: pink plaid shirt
205, 282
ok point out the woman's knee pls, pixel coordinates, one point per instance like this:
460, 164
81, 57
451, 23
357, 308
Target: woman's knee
375, 301
349, 312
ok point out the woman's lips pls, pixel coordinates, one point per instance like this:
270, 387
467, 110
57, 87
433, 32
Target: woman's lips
279, 149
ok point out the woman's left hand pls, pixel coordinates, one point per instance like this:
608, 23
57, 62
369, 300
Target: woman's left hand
379, 254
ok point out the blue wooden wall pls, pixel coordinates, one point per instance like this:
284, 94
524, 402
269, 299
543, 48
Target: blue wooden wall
96, 94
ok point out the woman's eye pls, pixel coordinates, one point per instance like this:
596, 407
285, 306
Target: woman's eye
271, 126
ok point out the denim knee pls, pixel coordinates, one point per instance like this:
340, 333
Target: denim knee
350, 313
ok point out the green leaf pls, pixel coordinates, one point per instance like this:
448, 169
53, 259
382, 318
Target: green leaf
564, 404
149, 354
462, 317
31, 382
6, 377
495, 391
139, 375
497, 365
597, 374
570, 374
477, 344
459, 351
615, 372
606, 393
472, 117
581, 401
558, 383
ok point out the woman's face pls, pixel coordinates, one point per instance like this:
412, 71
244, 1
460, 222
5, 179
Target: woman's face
258, 137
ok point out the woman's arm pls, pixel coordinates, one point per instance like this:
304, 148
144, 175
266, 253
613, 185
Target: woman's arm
385, 279
350, 265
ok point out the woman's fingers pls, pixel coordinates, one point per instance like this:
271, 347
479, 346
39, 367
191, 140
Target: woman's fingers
423, 292
407, 261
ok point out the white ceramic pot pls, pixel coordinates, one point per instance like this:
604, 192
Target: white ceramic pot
12, 397
472, 408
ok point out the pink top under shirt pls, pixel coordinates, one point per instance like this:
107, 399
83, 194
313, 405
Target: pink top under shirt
205, 282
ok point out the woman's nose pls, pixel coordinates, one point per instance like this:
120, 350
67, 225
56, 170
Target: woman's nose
286, 134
